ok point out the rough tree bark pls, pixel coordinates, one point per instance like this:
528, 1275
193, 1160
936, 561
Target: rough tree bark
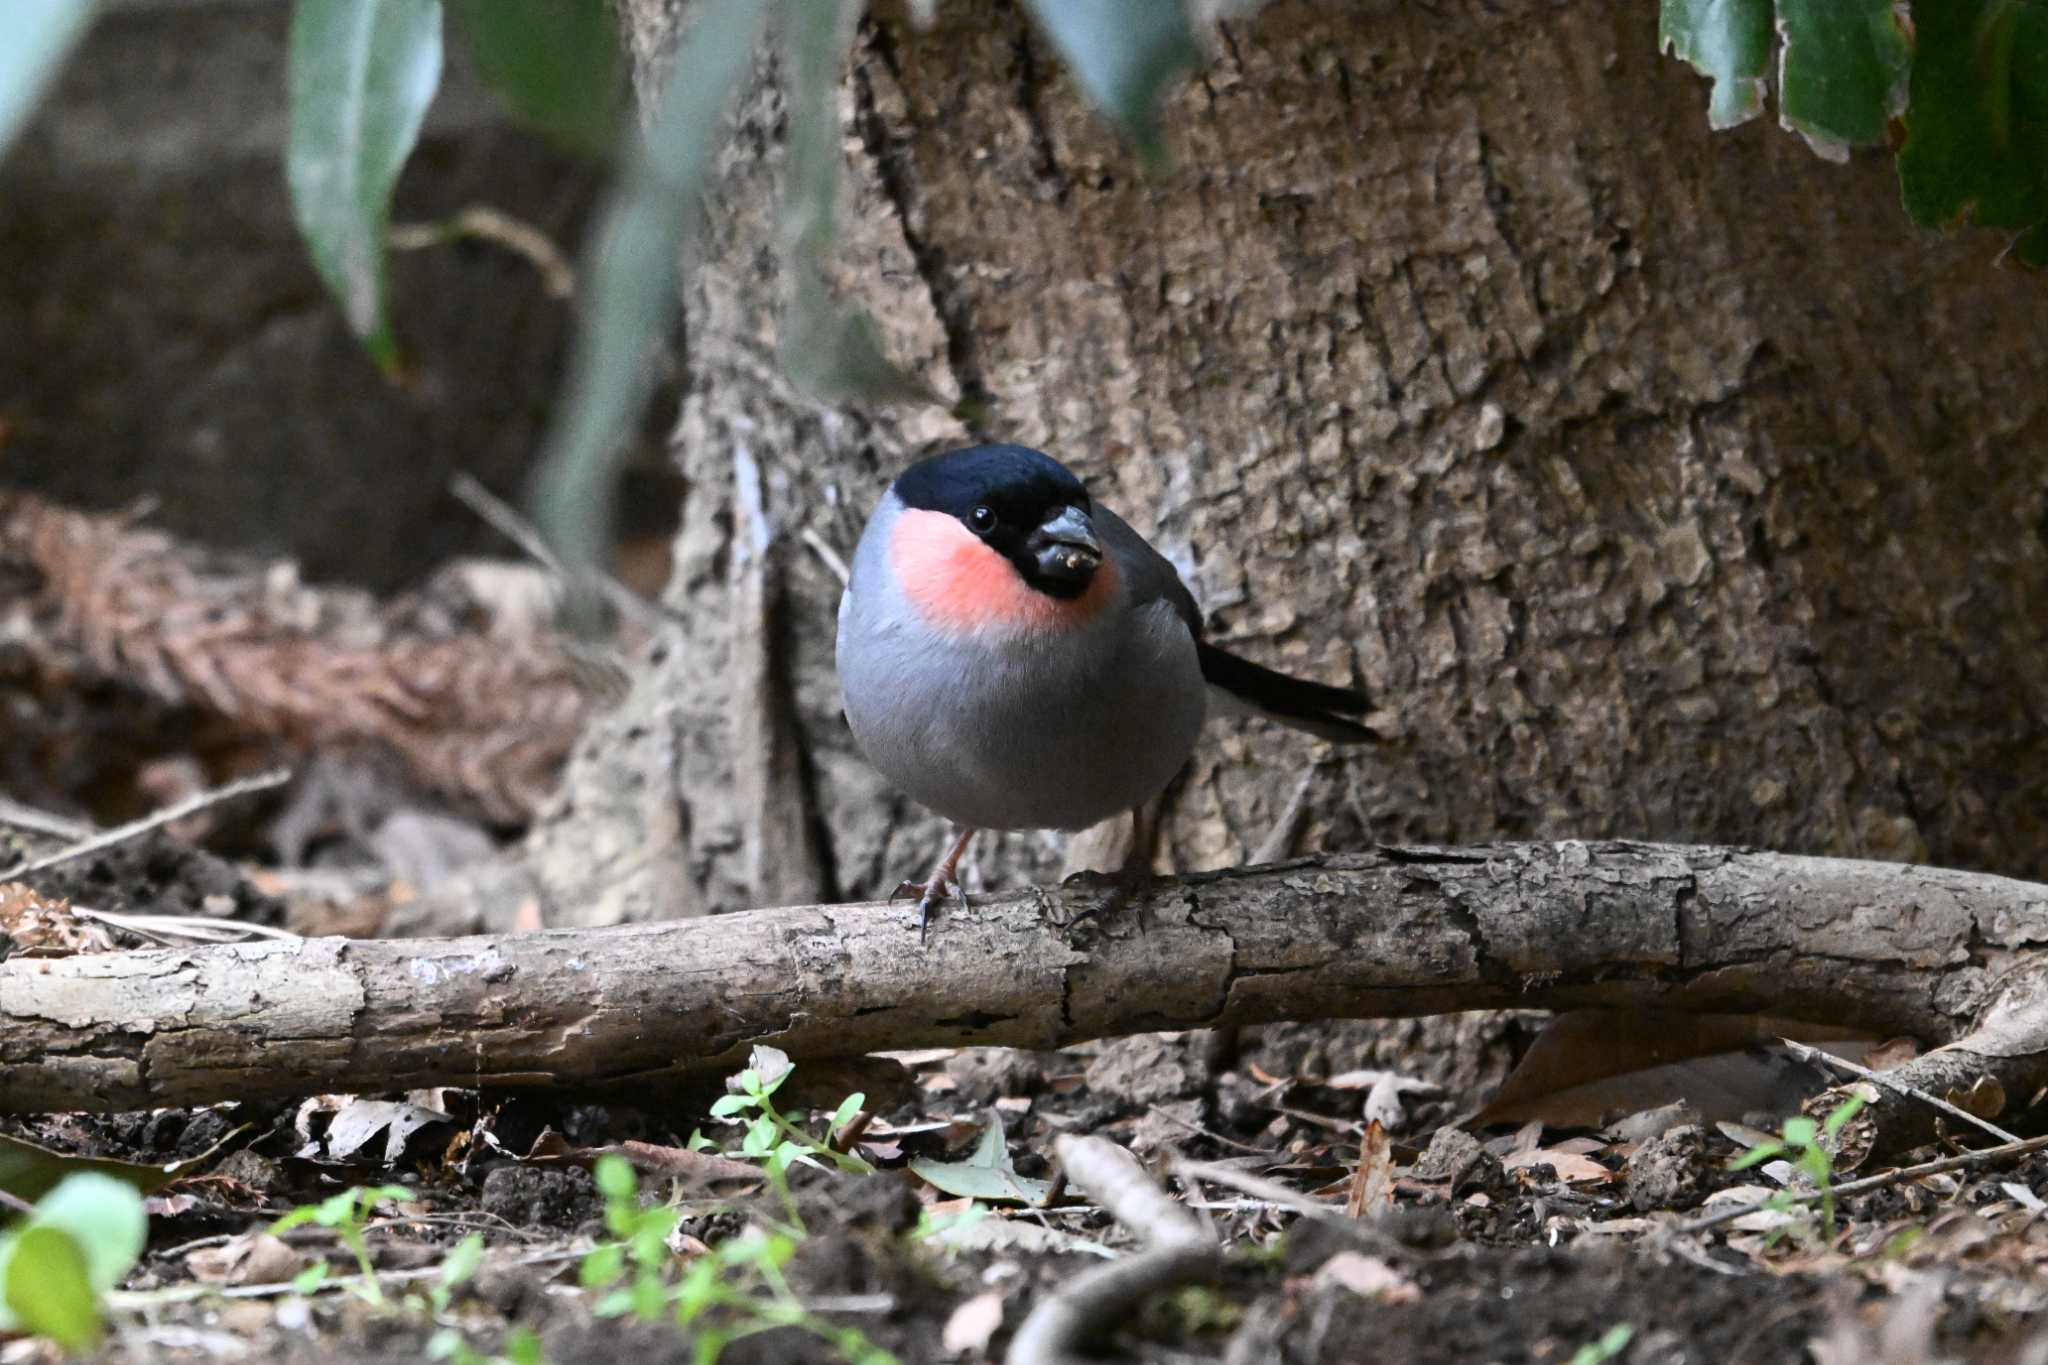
1657, 483
1952, 957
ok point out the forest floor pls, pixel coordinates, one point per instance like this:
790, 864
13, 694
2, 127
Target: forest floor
922, 1221
912, 1208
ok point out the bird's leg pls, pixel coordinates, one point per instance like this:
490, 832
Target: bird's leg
939, 884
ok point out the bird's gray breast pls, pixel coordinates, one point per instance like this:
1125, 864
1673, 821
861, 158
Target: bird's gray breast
1042, 731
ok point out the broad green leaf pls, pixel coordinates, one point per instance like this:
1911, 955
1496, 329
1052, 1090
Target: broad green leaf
362, 73
988, 1175
1977, 129
48, 1289
631, 277
1843, 70
39, 36
1125, 56
104, 1216
558, 64
1728, 41
29, 1172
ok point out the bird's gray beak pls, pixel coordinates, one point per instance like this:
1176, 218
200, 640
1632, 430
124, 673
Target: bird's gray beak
1066, 549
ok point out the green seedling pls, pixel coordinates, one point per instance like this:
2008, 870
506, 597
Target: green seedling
1610, 1344
347, 1214
735, 1290
779, 1142
522, 1347
1804, 1143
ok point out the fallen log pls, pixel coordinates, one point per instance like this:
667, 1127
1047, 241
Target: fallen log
1951, 958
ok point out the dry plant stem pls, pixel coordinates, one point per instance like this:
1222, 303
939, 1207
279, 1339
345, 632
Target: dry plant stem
1396, 932
1983, 1156
1179, 1250
500, 517
135, 829
1813, 1054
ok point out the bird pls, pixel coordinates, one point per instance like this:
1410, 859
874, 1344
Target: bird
1013, 656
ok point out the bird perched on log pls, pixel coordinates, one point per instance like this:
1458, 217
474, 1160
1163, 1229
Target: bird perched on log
1014, 656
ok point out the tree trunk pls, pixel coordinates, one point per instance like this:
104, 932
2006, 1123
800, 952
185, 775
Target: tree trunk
1657, 483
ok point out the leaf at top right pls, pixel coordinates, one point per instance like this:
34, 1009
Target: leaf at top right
1976, 146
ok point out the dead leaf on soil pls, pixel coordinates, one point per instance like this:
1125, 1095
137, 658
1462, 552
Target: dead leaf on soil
671, 1163
1589, 1066
1368, 1277
969, 1327
252, 1258
35, 925
360, 1121
1570, 1166
1372, 1184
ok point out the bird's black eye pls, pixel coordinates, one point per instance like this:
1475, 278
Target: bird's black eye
982, 518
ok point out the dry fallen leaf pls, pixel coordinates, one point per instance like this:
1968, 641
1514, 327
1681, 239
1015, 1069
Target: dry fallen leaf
252, 1258
1368, 1277
969, 1327
1570, 1166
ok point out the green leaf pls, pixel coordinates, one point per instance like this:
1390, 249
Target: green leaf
362, 73
1842, 1113
522, 1347
603, 1266
104, 1216
630, 279
1843, 71
1727, 40
49, 1289
1757, 1155
1124, 56
848, 1107
557, 64
40, 35
616, 1179
760, 1138
727, 1105
1976, 146
311, 1278
463, 1260
989, 1174
30, 1172
1801, 1132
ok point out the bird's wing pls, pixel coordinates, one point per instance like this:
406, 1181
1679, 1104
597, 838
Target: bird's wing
1315, 707
1150, 574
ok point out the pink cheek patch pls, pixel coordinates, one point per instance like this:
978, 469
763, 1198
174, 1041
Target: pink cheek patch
959, 584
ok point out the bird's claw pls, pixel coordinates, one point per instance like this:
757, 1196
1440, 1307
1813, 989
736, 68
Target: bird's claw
929, 894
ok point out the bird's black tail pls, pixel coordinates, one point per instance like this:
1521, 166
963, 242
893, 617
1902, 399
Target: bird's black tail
1311, 706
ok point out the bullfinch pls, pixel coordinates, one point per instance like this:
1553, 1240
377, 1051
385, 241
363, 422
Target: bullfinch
1014, 656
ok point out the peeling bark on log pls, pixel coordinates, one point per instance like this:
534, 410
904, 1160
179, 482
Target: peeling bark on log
1948, 957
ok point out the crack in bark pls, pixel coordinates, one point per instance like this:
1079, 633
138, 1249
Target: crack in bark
898, 181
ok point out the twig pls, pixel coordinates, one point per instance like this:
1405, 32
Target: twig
1983, 1156
824, 551
494, 512
481, 221
21, 816
1179, 1250
15, 1202
121, 834
189, 928
1813, 1054
1287, 1197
